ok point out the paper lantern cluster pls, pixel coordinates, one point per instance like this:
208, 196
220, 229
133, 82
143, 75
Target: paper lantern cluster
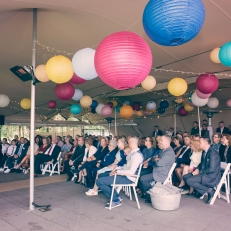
86, 101
64, 91
172, 23
126, 111
4, 100
136, 106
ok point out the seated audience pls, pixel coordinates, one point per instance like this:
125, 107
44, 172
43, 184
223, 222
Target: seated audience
59, 141
157, 132
216, 141
205, 131
3, 149
225, 149
183, 157
208, 173
178, 146
222, 129
195, 130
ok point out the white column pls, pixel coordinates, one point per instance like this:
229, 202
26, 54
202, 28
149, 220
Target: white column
199, 119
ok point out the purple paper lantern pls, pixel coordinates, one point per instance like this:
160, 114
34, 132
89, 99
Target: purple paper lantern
106, 110
182, 111
64, 91
123, 60
110, 104
77, 80
207, 83
52, 104
136, 106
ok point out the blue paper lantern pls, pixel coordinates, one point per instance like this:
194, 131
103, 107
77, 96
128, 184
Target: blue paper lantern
126, 102
118, 109
164, 104
172, 23
161, 110
75, 109
94, 104
225, 54
93, 111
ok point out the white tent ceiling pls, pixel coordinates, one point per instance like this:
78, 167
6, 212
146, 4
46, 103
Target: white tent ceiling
72, 25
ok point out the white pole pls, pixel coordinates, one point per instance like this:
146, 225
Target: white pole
199, 119
115, 124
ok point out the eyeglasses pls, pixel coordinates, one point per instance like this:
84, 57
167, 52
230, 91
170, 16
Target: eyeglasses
215, 137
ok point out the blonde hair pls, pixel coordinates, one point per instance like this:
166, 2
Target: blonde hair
195, 144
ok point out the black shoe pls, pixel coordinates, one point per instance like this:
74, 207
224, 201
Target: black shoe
148, 201
77, 182
210, 195
198, 195
143, 196
69, 178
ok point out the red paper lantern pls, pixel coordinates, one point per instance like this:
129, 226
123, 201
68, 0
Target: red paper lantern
207, 83
77, 80
182, 111
123, 60
52, 104
64, 91
202, 95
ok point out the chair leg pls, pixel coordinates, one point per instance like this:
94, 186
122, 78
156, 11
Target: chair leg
53, 169
226, 191
44, 169
58, 167
216, 194
112, 194
130, 193
228, 179
137, 201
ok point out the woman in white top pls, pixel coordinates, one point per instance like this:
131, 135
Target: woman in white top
195, 161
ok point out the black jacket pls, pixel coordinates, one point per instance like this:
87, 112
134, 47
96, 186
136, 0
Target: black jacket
101, 153
79, 153
24, 150
222, 152
55, 153
225, 130
210, 168
159, 133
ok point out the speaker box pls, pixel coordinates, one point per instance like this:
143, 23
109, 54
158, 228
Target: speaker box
2, 120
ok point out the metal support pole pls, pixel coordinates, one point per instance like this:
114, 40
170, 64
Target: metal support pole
199, 119
115, 124
32, 110
174, 124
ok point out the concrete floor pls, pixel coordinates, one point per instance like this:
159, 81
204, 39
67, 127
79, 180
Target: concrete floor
73, 210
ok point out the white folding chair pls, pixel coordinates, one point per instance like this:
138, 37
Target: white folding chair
223, 180
127, 187
50, 168
169, 177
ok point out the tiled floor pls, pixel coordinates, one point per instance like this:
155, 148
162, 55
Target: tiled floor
73, 210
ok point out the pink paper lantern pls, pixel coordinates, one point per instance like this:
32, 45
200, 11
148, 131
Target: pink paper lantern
207, 83
64, 91
106, 110
182, 111
77, 80
202, 95
123, 60
52, 104
228, 103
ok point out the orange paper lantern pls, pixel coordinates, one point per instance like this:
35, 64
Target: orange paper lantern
126, 111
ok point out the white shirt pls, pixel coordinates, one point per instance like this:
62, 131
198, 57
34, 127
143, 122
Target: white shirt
11, 150
50, 150
4, 148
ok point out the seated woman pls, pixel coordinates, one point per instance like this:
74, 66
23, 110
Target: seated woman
65, 152
195, 161
225, 149
178, 146
25, 161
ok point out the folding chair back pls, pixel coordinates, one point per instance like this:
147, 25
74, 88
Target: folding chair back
169, 177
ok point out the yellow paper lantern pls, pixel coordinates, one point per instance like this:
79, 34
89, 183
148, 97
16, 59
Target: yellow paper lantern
126, 111
140, 113
86, 101
25, 103
177, 86
40, 73
214, 55
149, 83
179, 100
188, 107
59, 69
115, 103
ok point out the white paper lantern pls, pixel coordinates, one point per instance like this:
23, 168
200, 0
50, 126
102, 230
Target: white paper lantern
4, 100
151, 105
98, 109
213, 102
214, 55
83, 64
198, 101
78, 95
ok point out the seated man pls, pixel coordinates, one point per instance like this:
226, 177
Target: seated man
104, 183
76, 158
208, 173
3, 150
162, 165
50, 156
19, 154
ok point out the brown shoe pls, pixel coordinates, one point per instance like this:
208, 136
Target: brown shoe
35, 175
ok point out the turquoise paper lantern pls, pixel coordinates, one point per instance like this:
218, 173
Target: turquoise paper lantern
173, 23
225, 54
75, 109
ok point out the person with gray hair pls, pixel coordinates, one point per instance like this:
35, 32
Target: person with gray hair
162, 164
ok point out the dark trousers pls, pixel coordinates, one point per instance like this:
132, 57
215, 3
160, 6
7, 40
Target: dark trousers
144, 171
10, 161
40, 159
145, 181
104, 183
89, 166
195, 182
3, 160
68, 167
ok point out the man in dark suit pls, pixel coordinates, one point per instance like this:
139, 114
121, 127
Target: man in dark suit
222, 129
162, 165
208, 173
96, 142
76, 158
157, 132
49, 156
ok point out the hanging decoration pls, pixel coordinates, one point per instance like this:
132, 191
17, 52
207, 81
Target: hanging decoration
161, 110
52, 104
75, 109
118, 109
83, 64
110, 104
40, 73
64, 91
115, 103
77, 95
150, 110
228, 103
136, 106
76, 80
149, 83
177, 86
172, 23
198, 101
86, 101
182, 111
147, 113
140, 113
188, 107
59, 69
207, 83
151, 105
25, 103
126, 111
99, 108
94, 104
225, 54
213, 102
123, 60
177, 108
179, 100
93, 111
164, 104
202, 95
4, 100
126, 102
214, 55
106, 110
